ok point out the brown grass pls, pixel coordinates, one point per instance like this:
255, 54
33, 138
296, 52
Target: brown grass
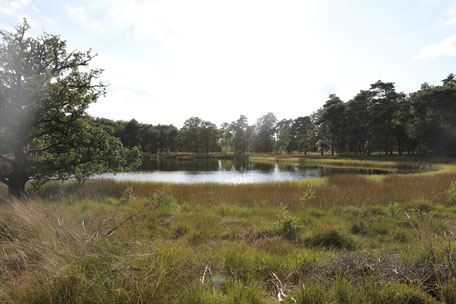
340, 190
60, 250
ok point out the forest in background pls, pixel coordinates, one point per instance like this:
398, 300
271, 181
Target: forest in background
377, 120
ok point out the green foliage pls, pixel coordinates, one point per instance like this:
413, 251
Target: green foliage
162, 199
287, 225
400, 237
331, 239
235, 293
359, 228
393, 210
180, 231
264, 131
420, 206
308, 195
239, 135
199, 136
46, 133
302, 135
111, 201
452, 193
127, 195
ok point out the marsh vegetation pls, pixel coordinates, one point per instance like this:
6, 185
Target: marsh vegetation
343, 238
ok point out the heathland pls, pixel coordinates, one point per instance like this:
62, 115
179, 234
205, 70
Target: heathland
340, 239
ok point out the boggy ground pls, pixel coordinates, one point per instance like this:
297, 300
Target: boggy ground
343, 239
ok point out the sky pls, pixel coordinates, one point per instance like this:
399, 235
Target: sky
168, 60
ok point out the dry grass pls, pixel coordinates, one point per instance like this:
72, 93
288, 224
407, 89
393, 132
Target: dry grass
76, 246
75, 243
337, 190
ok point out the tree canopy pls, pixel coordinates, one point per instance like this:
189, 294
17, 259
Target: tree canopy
45, 132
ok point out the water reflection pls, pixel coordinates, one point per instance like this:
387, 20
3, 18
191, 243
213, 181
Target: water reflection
227, 171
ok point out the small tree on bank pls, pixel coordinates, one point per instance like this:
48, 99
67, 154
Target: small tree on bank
45, 132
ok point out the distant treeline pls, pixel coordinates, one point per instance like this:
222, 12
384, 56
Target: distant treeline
377, 120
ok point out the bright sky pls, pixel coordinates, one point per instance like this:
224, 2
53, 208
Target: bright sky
167, 60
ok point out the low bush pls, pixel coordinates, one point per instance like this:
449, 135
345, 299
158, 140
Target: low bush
287, 225
400, 237
161, 199
452, 193
393, 210
331, 239
127, 196
359, 228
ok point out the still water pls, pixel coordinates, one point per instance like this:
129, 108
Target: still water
227, 171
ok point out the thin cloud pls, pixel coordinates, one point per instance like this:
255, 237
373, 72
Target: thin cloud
5, 11
15, 4
78, 13
452, 20
446, 47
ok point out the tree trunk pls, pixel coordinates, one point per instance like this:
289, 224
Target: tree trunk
16, 187
332, 146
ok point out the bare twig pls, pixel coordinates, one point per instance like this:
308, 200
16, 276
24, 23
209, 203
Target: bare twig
64, 228
413, 226
111, 231
280, 288
53, 226
206, 269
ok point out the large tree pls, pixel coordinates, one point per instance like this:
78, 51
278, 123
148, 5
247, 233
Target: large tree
357, 113
239, 129
300, 134
265, 130
333, 119
384, 107
198, 136
45, 132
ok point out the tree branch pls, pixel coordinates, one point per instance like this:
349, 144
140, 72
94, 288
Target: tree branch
44, 149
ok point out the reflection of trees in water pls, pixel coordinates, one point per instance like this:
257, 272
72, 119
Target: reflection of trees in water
226, 164
243, 164
180, 165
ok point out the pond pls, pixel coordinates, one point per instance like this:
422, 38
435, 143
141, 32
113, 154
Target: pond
227, 171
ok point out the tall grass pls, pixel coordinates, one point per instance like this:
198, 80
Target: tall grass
395, 164
336, 190
351, 242
156, 250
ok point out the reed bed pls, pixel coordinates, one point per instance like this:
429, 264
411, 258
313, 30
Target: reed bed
339, 190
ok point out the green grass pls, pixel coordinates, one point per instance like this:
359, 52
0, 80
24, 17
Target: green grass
358, 240
370, 163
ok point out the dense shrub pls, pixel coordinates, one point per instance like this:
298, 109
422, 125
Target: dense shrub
331, 239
